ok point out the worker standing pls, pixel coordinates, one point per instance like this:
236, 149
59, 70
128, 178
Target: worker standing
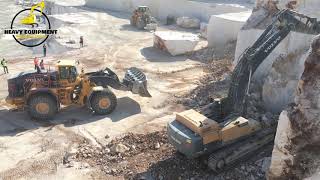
41, 64
44, 50
36, 63
81, 41
4, 65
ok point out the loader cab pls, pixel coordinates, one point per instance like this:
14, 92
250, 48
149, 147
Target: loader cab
143, 9
67, 72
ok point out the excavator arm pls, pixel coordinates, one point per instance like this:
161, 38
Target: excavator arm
284, 22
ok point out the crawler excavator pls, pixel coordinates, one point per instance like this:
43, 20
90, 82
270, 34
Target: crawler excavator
224, 135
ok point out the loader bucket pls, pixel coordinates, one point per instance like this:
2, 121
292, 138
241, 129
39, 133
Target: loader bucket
136, 81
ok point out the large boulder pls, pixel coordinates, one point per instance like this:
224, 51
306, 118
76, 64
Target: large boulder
176, 43
188, 22
224, 28
296, 152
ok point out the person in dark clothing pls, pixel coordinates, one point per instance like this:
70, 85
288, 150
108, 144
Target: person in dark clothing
44, 50
4, 65
81, 41
41, 64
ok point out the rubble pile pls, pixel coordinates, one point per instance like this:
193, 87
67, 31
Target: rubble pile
126, 156
138, 156
209, 54
296, 151
214, 85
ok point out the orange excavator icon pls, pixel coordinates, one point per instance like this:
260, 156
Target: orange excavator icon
31, 19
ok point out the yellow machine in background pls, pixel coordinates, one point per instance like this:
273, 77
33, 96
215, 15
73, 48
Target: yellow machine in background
31, 19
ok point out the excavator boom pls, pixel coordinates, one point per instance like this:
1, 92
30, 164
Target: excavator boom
284, 22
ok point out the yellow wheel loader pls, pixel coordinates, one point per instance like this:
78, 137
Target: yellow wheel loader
221, 132
142, 19
43, 93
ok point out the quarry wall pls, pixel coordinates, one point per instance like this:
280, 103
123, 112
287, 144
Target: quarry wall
280, 72
162, 8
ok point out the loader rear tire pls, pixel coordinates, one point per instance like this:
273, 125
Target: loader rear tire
103, 103
140, 24
132, 22
42, 107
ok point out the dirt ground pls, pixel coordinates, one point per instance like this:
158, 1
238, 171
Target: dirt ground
55, 149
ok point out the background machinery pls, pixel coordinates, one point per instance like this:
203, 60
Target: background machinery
142, 19
223, 134
42, 94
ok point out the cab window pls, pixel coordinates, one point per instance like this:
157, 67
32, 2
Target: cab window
64, 72
68, 72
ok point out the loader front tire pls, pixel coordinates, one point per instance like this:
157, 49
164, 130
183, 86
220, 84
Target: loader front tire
42, 107
103, 103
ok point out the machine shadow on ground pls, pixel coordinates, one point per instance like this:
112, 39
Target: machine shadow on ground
128, 27
13, 123
155, 55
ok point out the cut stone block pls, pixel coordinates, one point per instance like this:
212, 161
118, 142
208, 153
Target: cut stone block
176, 43
224, 28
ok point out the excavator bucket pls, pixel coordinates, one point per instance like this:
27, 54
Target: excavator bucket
136, 81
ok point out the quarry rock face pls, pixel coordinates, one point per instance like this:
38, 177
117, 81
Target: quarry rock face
296, 152
176, 43
280, 72
307, 7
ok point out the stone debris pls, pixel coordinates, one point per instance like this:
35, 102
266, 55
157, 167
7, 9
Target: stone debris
150, 156
119, 148
176, 43
188, 22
